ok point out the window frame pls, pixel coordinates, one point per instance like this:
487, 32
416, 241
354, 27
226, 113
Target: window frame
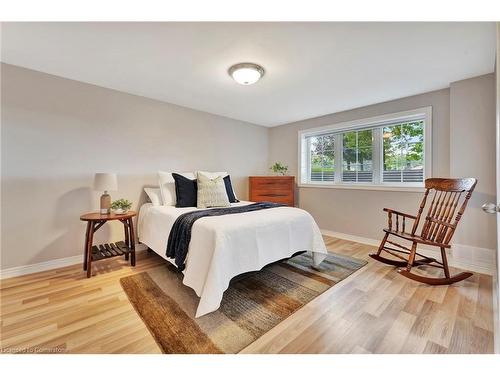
304, 165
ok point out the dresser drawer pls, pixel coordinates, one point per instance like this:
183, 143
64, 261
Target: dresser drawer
271, 192
281, 199
278, 189
272, 183
258, 196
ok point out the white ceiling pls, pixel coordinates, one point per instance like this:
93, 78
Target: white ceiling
312, 69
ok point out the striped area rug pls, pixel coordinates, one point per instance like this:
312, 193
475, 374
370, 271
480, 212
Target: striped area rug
253, 304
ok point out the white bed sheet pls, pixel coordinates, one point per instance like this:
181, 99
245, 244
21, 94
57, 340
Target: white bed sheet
225, 246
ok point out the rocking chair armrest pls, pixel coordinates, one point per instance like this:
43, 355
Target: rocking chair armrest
391, 211
398, 214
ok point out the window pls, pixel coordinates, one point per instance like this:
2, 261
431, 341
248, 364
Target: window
322, 158
386, 151
404, 152
357, 160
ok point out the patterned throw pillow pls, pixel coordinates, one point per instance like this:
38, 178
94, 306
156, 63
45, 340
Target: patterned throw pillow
211, 192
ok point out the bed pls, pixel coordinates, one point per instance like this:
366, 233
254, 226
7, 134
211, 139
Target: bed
223, 247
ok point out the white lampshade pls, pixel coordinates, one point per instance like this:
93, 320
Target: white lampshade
105, 182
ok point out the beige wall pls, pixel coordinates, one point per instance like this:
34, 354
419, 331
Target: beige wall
359, 212
472, 151
56, 133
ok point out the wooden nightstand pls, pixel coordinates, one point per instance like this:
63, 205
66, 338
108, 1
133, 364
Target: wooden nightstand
97, 252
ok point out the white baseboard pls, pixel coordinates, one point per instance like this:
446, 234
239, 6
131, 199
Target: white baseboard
350, 237
48, 265
40, 267
475, 259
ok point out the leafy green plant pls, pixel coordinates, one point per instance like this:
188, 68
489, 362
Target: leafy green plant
404, 146
279, 168
123, 204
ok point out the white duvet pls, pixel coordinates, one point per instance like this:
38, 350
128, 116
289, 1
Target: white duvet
225, 246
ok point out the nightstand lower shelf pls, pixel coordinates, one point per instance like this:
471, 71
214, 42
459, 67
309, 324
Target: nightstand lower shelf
110, 250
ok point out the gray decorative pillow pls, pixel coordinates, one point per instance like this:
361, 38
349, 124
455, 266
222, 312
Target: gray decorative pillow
211, 192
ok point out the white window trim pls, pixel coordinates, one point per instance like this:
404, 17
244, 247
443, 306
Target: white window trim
424, 112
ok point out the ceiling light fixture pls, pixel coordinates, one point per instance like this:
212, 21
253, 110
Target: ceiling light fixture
246, 73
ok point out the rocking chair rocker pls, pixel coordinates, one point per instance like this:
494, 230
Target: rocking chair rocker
437, 229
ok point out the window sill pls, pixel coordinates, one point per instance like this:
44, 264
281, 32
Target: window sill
409, 189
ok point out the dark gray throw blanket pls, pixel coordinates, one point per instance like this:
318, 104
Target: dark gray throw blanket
180, 234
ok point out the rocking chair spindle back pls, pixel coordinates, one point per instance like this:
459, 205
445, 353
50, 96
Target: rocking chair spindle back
446, 195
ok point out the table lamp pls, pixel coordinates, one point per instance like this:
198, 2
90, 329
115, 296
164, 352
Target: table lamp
105, 182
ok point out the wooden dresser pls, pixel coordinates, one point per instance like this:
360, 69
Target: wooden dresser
278, 189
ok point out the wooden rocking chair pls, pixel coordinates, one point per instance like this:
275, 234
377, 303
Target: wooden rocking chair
437, 229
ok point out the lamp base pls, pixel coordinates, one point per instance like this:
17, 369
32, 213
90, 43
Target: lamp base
105, 204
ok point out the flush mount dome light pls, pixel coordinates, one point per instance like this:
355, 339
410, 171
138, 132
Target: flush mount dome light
246, 73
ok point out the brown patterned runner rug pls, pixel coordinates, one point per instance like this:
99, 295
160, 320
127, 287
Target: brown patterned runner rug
253, 304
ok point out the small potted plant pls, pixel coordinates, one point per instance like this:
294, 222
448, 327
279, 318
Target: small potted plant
279, 169
121, 206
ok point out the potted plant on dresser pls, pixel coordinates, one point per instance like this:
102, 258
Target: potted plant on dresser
278, 188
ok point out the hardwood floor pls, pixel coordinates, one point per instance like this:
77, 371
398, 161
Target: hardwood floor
373, 311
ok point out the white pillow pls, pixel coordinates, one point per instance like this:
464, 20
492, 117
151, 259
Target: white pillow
211, 192
213, 175
167, 186
154, 195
